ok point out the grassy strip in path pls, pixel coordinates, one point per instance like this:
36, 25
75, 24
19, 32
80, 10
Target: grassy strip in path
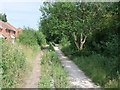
53, 74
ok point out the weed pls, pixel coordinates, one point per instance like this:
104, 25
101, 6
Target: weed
102, 70
53, 75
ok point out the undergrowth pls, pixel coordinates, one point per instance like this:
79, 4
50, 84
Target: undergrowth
102, 70
13, 64
16, 61
53, 74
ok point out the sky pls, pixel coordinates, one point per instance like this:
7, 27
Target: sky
20, 14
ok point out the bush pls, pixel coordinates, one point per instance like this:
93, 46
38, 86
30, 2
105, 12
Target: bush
51, 45
27, 37
65, 42
31, 37
111, 46
40, 38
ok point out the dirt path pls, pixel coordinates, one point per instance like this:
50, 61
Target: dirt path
33, 79
75, 75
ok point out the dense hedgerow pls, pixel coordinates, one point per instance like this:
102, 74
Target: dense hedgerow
13, 64
17, 58
31, 37
0, 62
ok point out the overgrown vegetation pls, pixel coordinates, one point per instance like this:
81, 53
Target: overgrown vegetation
101, 69
13, 64
17, 58
31, 37
88, 34
53, 74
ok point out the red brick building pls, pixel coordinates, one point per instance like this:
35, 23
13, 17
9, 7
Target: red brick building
8, 31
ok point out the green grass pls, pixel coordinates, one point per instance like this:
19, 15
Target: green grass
16, 62
52, 72
101, 69
13, 64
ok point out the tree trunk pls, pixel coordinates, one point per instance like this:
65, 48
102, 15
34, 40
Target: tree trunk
75, 40
81, 45
83, 40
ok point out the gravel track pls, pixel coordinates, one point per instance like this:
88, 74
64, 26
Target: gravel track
76, 76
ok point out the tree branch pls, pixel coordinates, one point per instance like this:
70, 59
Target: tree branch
81, 38
85, 39
75, 40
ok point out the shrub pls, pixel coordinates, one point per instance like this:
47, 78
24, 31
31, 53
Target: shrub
27, 37
51, 46
40, 38
65, 42
111, 46
31, 37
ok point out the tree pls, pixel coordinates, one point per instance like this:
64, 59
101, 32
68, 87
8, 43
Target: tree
3, 17
31, 37
75, 20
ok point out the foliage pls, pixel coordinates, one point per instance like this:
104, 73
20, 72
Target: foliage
31, 38
51, 44
0, 62
76, 21
53, 75
65, 42
111, 45
89, 34
104, 71
27, 37
17, 58
40, 38
16, 62
13, 64
3, 17
87, 31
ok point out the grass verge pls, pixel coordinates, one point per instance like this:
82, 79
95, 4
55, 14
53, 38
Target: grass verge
15, 63
53, 74
102, 70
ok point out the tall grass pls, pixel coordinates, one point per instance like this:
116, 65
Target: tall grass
13, 64
17, 58
0, 63
52, 73
16, 61
102, 70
